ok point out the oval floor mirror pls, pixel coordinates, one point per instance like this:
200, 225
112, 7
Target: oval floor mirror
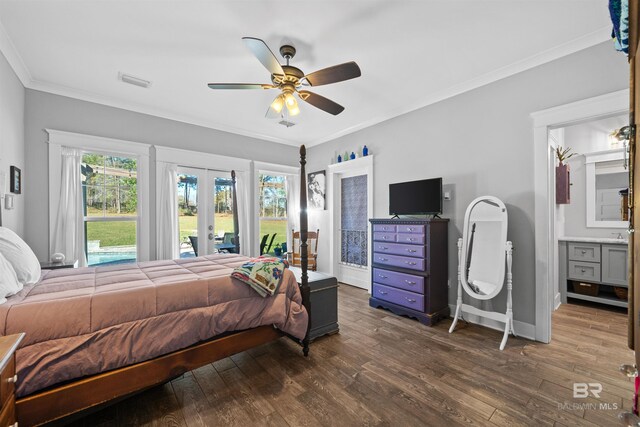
482, 252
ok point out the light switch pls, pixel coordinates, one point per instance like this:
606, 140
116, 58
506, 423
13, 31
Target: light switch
447, 195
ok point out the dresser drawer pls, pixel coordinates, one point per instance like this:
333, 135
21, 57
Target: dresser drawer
408, 228
399, 280
384, 237
415, 239
385, 228
415, 251
7, 380
399, 297
399, 261
584, 252
8, 414
588, 271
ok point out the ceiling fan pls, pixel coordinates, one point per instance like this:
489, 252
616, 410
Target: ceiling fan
289, 80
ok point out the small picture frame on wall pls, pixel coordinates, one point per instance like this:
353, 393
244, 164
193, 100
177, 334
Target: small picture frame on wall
316, 190
15, 180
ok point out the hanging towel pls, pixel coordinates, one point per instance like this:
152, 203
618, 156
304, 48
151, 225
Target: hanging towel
619, 12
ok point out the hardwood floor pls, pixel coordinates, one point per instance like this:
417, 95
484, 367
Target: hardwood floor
387, 370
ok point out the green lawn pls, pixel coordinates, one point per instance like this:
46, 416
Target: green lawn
124, 233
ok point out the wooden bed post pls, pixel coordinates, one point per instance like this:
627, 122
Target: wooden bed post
304, 257
236, 234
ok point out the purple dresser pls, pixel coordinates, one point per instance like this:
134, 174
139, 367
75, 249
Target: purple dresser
410, 268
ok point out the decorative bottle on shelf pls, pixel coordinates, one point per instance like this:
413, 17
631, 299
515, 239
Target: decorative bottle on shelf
365, 151
346, 156
339, 158
353, 155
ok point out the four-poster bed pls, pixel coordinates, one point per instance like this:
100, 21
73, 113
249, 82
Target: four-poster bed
97, 389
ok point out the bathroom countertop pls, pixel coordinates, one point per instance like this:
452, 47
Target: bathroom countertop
595, 240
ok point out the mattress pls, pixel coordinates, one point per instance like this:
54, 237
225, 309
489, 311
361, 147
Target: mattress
84, 321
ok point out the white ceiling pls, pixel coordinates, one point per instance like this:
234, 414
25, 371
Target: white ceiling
412, 53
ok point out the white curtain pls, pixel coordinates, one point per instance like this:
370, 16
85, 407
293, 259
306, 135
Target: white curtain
68, 235
293, 207
168, 234
244, 212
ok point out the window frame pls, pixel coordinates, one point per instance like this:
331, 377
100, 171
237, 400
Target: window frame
108, 147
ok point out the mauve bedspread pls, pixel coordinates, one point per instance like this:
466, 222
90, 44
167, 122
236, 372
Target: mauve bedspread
80, 322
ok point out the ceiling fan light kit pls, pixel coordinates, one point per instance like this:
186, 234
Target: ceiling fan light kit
289, 80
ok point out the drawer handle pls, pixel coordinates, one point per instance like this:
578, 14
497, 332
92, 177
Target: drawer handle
382, 248
385, 237
411, 250
410, 282
382, 259
385, 228
410, 228
13, 379
410, 263
583, 252
410, 299
411, 239
381, 276
583, 270
383, 292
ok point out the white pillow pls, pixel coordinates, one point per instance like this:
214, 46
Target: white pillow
9, 284
20, 256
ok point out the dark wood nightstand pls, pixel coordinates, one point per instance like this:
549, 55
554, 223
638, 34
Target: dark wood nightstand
8, 378
57, 265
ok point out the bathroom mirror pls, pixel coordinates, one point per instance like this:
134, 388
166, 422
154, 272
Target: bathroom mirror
483, 254
607, 181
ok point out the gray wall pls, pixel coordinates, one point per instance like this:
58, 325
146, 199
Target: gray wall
586, 138
44, 110
480, 142
12, 142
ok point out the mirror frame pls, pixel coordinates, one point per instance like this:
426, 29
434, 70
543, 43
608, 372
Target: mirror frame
590, 160
465, 238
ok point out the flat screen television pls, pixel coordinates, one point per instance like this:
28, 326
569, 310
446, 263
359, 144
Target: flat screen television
422, 197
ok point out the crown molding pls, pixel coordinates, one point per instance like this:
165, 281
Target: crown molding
15, 61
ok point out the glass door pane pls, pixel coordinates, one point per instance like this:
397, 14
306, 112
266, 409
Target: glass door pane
222, 226
353, 221
272, 192
187, 182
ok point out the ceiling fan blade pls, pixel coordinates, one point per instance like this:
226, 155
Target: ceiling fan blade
325, 104
239, 86
337, 73
264, 55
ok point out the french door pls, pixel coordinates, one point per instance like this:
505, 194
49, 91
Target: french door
205, 207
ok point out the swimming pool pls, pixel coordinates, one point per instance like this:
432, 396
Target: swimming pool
110, 258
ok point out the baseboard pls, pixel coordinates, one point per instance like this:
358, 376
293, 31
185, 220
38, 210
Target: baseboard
522, 329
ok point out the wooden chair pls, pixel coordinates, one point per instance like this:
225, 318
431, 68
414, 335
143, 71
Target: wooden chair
312, 249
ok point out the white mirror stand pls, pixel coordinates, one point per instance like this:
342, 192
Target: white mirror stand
483, 246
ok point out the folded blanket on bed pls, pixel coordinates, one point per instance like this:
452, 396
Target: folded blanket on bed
263, 274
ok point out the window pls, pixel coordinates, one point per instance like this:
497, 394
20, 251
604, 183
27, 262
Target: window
188, 214
110, 191
273, 212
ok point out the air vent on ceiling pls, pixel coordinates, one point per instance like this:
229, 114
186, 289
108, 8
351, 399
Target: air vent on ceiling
286, 123
132, 80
